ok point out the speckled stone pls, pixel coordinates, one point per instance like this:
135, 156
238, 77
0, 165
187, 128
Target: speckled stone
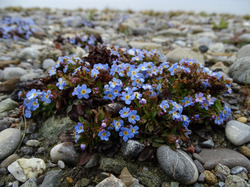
220, 168
235, 181
9, 140
172, 162
210, 178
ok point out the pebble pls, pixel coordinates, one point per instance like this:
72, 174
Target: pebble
13, 72
31, 128
203, 48
4, 124
48, 63
201, 177
30, 183
126, 177
242, 119
61, 164
52, 179
219, 184
235, 181
33, 143
245, 151
26, 150
244, 51
132, 148
238, 169
65, 152
225, 156
220, 168
9, 160
199, 166
93, 161
7, 105
23, 169
172, 162
182, 53
145, 45
9, 140
28, 53
237, 133
111, 181
210, 178
208, 143
220, 176
198, 157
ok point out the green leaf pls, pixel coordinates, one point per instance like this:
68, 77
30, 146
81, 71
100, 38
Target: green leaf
218, 105
151, 128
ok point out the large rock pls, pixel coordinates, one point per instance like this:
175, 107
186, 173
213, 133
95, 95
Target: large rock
225, 156
111, 181
24, 169
54, 126
237, 133
182, 53
171, 32
13, 72
177, 164
65, 152
240, 70
9, 140
28, 53
52, 179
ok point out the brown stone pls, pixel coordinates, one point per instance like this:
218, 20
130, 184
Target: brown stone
5, 63
245, 151
242, 119
126, 177
210, 178
9, 85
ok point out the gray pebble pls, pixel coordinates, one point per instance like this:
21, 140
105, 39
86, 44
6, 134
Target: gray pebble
61, 164
238, 169
208, 143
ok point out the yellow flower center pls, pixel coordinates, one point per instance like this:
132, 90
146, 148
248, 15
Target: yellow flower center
127, 97
104, 134
126, 132
83, 91
132, 117
34, 103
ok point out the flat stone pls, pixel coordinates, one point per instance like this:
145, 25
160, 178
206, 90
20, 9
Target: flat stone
198, 157
126, 177
199, 166
225, 156
145, 45
208, 143
53, 126
182, 53
172, 162
33, 143
237, 133
8, 85
29, 76
132, 148
111, 181
7, 105
4, 124
235, 181
23, 169
93, 161
52, 179
65, 152
30, 183
9, 140
9, 160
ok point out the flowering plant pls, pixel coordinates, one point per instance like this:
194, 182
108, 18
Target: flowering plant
116, 92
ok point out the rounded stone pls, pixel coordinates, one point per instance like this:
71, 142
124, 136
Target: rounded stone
208, 143
245, 151
65, 152
172, 162
237, 133
238, 169
220, 168
210, 178
61, 164
10, 159
235, 181
203, 48
48, 63
132, 148
9, 140
33, 143
242, 119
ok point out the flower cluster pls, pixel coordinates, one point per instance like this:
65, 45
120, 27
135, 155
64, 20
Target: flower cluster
132, 94
15, 27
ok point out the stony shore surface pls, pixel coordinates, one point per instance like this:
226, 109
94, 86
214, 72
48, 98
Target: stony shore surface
38, 154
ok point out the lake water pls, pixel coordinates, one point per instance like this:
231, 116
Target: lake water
239, 7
